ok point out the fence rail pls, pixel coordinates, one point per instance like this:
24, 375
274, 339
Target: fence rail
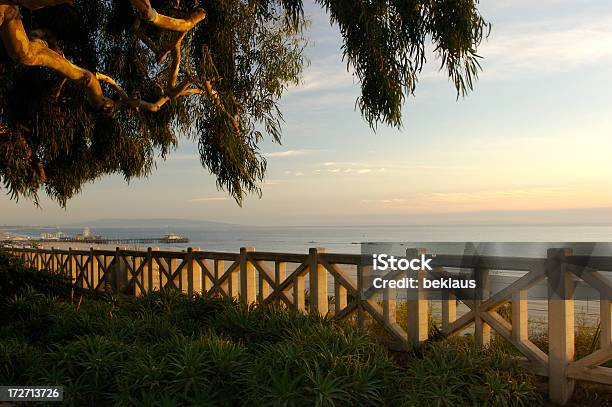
337, 284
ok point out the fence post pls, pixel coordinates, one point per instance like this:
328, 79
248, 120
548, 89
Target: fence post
233, 284
94, 276
365, 279
189, 259
115, 272
418, 317
47, 260
482, 330
560, 325
148, 283
340, 296
119, 274
318, 281
71, 270
170, 282
362, 272
299, 301
605, 316
107, 264
389, 305
51, 261
520, 316
198, 281
448, 306
41, 259
248, 280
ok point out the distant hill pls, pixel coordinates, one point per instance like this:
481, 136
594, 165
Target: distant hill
148, 223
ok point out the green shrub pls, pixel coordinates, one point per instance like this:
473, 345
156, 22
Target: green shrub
15, 276
322, 366
455, 373
17, 359
168, 349
91, 363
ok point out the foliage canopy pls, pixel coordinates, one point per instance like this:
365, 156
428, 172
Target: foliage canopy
103, 87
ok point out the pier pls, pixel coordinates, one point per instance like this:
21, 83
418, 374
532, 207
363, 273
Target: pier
135, 240
170, 238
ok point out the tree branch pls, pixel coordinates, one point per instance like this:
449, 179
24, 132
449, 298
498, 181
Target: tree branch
217, 100
176, 62
149, 14
36, 52
182, 89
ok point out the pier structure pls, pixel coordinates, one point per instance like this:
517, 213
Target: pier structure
135, 240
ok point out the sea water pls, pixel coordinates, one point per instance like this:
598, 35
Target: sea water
339, 239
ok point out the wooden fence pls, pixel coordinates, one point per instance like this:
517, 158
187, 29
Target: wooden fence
338, 285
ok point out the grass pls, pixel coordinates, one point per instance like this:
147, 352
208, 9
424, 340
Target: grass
168, 349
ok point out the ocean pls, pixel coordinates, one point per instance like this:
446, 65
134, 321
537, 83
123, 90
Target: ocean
337, 239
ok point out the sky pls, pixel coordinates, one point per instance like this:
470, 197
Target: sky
531, 143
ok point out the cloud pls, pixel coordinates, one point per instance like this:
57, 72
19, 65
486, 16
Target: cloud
533, 45
454, 198
369, 166
467, 197
209, 199
272, 182
538, 47
290, 153
328, 74
549, 46
325, 85
351, 170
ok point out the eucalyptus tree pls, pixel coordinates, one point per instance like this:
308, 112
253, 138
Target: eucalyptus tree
98, 87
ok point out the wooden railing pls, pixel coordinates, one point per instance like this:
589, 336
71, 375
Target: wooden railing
338, 285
